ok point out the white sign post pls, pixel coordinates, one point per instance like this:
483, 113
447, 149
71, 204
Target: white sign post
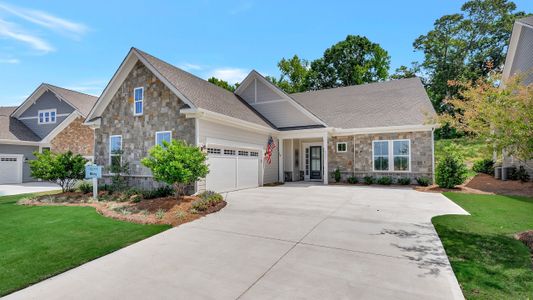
93, 172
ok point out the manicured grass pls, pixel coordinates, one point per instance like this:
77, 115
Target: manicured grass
38, 242
488, 262
469, 149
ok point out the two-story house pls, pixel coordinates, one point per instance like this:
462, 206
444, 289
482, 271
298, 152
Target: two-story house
50, 118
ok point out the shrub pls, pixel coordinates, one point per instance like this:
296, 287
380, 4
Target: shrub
160, 213
64, 169
211, 196
519, 174
385, 180
206, 200
337, 175
120, 169
484, 166
352, 180
369, 179
404, 180
85, 187
450, 172
423, 181
176, 164
159, 192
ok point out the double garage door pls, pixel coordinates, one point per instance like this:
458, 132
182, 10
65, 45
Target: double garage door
232, 169
11, 168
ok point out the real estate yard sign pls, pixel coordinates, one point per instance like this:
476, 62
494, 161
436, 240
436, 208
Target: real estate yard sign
93, 172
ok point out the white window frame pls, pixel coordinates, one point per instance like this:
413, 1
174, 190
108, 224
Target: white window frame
162, 132
110, 148
135, 113
391, 156
345, 147
49, 111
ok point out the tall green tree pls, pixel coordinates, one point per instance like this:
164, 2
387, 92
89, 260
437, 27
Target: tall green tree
355, 60
406, 72
465, 46
294, 74
223, 84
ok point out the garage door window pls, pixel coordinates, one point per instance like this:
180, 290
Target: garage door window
229, 152
255, 154
213, 150
8, 159
244, 153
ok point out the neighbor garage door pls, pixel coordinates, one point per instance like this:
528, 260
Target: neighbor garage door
10, 168
232, 169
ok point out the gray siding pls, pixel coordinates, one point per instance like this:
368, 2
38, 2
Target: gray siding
523, 60
27, 151
48, 100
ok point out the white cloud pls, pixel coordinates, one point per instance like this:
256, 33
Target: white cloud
11, 61
231, 75
46, 20
10, 30
190, 67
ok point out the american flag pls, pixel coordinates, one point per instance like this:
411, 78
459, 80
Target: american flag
270, 147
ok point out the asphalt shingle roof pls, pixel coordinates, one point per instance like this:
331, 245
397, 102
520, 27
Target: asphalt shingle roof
82, 102
527, 20
204, 94
13, 129
390, 103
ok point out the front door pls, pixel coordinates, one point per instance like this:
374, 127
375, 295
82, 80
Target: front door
315, 162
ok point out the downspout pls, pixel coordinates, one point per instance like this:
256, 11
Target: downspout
432, 155
353, 163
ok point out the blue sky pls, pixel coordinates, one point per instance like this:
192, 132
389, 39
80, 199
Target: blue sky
80, 44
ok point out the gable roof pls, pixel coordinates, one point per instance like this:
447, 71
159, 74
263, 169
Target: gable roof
13, 129
83, 103
526, 20
390, 103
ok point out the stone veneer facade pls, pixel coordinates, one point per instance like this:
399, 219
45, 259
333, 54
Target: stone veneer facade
421, 155
75, 137
161, 112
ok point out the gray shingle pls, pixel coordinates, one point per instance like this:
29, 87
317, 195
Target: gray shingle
526, 20
204, 94
13, 129
82, 102
390, 103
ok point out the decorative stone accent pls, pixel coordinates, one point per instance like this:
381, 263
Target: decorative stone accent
75, 137
161, 112
357, 160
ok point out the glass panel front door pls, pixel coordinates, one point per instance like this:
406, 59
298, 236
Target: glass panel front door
316, 162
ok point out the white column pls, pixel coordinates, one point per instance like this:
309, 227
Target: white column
281, 176
325, 159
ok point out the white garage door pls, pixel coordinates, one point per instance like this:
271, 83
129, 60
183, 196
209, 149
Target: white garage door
232, 169
10, 168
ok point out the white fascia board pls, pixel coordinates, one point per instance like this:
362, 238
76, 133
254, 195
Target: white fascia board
47, 139
511, 51
303, 133
387, 129
22, 143
203, 114
94, 124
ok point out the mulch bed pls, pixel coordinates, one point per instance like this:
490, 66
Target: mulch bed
486, 184
526, 237
167, 210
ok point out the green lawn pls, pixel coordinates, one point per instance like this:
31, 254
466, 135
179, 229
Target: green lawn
488, 262
38, 242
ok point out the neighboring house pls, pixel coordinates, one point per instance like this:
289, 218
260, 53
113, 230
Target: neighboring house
520, 60
378, 129
51, 118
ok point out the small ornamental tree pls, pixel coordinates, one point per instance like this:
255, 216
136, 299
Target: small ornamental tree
451, 171
176, 164
64, 169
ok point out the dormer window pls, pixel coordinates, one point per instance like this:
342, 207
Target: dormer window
47, 116
138, 97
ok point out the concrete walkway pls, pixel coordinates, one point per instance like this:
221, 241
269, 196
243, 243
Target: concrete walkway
28, 187
292, 241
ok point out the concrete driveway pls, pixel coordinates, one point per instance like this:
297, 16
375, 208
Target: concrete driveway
28, 187
293, 241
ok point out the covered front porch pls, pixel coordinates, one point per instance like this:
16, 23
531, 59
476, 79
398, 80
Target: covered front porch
303, 156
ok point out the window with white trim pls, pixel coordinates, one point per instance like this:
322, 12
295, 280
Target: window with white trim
47, 116
229, 152
161, 136
213, 150
138, 97
391, 155
342, 147
381, 155
115, 151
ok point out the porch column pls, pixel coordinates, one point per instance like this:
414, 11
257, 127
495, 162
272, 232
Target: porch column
325, 147
281, 174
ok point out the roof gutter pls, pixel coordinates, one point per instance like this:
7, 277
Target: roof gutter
387, 129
